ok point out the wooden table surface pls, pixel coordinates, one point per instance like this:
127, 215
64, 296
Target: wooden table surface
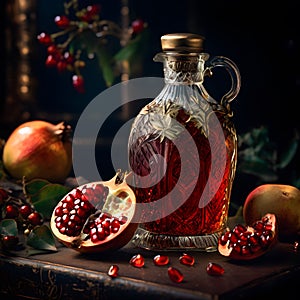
67, 274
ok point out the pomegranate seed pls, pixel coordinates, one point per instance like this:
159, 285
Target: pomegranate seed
296, 246
175, 275
187, 259
161, 260
239, 228
214, 269
113, 271
137, 261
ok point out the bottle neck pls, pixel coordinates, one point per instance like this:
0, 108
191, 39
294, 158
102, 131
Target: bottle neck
186, 69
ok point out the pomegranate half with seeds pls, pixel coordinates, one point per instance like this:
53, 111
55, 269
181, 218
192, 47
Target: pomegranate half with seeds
96, 216
249, 242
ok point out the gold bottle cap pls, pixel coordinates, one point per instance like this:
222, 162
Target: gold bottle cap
182, 42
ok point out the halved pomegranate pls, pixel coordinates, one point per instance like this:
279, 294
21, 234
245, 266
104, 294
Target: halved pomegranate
245, 242
96, 217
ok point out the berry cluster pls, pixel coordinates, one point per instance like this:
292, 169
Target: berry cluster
22, 212
79, 29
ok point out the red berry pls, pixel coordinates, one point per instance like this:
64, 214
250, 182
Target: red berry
137, 261
10, 241
51, 61
3, 195
214, 269
69, 58
52, 49
62, 21
11, 211
45, 38
61, 65
78, 83
175, 275
138, 26
25, 210
35, 219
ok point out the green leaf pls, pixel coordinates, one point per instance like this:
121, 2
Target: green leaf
47, 198
9, 227
41, 238
32, 187
106, 66
289, 153
132, 48
258, 168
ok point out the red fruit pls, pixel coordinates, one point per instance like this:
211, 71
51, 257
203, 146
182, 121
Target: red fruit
161, 260
39, 149
138, 26
214, 269
11, 211
35, 219
78, 83
3, 196
9, 242
113, 271
175, 275
245, 242
96, 217
25, 210
51, 61
45, 38
187, 259
62, 21
61, 66
137, 261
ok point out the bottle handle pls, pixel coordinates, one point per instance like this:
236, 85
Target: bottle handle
232, 69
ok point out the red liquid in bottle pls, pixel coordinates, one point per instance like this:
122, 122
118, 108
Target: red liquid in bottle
192, 218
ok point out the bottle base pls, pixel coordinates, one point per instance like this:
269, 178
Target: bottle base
155, 241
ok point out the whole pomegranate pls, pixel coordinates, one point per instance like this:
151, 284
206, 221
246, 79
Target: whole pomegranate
249, 242
39, 149
280, 199
96, 217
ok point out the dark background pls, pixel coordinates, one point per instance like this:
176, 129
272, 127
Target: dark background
263, 40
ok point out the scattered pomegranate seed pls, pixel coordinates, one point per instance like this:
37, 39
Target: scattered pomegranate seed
175, 275
296, 246
113, 271
161, 260
214, 269
137, 261
187, 259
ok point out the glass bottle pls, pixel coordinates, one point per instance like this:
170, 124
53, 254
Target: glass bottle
183, 151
